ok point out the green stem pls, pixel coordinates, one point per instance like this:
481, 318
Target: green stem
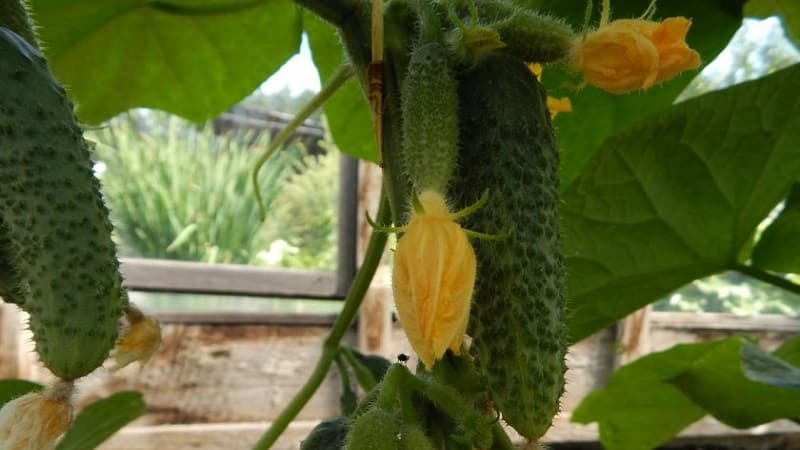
605, 14
330, 348
337, 79
500, 440
767, 277
363, 375
14, 16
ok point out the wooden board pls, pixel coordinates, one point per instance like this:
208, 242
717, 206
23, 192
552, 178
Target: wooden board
215, 377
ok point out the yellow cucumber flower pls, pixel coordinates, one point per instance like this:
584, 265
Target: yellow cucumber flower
139, 340
631, 54
34, 421
433, 279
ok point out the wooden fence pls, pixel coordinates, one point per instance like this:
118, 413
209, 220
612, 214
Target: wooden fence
216, 382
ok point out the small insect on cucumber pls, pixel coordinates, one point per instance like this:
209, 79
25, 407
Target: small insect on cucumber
53, 221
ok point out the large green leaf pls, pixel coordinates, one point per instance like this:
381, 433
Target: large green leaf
788, 10
718, 384
652, 399
766, 368
675, 199
639, 409
11, 389
98, 421
189, 57
597, 115
347, 111
778, 249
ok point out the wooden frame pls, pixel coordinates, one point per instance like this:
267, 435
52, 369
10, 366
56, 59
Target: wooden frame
161, 275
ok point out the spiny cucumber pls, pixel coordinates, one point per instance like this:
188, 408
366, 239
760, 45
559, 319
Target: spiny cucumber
517, 321
430, 118
526, 34
54, 223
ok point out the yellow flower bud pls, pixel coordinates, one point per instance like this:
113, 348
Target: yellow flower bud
434, 275
631, 54
34, 421
139, 340
558, 105
554, 105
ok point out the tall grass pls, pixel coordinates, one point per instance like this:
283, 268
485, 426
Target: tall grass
179, 192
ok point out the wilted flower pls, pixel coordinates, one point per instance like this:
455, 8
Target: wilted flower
434, 276
139, 340
34, 421
631, 54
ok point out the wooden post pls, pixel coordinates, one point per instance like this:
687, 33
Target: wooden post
633, 337
375, 316
9, 341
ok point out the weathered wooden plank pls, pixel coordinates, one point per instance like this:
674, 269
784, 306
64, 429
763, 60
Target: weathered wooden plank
229, 436
244, 435
9, 341
375, 317
246, 318
216, 373
724, 321
193, 277
633, 337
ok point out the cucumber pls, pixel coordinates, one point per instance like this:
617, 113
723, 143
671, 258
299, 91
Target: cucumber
517, 321
55, 226
430, 118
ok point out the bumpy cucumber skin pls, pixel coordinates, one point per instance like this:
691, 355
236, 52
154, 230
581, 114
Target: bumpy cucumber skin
517, 321
54, 221
528, 35
430, 118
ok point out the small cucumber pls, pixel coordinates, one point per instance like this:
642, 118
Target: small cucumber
430, 118
517, 321
54, 223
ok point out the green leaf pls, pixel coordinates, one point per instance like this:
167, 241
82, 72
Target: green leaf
763, 367
368, 369
788, 10
11, 389
98, 421
649, 401
777, 249
789, 351
675, 198
639, 408
188, 57
717, 383
347, 112
328, 434
596, 115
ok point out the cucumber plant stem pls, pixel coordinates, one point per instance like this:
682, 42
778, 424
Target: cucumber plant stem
338, 78
330, 347
767, 277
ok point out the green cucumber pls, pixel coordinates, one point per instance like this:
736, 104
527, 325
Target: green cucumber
54, 223
430, 118
517, 321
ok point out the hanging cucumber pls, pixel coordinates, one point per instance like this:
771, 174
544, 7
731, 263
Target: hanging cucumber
430, 118
517, 321
55, 225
